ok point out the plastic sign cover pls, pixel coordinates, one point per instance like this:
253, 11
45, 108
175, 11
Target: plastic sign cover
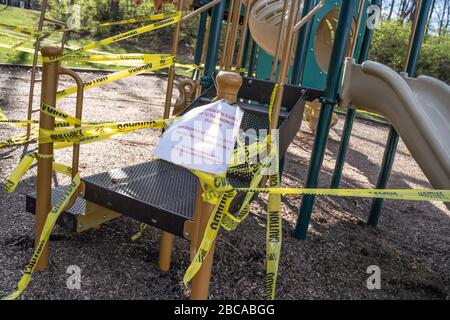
203, 139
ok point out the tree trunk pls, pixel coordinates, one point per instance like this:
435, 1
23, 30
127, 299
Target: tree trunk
391, 10
430, 19
114, 9
447, 21
442, 18
401, 11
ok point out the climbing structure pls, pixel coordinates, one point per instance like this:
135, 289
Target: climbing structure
193, 204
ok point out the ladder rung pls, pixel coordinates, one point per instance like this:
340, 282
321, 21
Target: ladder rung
55, 21
37, 80
35, 110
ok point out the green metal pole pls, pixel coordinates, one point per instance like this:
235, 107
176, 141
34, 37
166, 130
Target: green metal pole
392, 142
329, 100
245, 51
304, 35
200, 40
345, 141
351, 113
213, 45
252, 61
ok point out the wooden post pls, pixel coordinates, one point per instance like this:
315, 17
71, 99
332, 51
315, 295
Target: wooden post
231, 45
195, 233
286, 55
33, 69
280, 36
240, 55
49, 88
165, 251
227, 34
171, 76
200, 282
228, 84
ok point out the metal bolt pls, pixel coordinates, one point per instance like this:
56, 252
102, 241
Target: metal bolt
154, 221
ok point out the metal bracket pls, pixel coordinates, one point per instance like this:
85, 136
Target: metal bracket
331, 101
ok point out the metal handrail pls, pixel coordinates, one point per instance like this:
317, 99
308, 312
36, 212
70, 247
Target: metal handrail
78, 114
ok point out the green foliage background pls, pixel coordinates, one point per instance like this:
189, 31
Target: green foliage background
390, 43
94, 12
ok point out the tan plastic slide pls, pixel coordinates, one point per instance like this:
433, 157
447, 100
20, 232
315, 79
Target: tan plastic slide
264, 23
418, 108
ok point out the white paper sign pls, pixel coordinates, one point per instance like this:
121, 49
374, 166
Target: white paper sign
203, 139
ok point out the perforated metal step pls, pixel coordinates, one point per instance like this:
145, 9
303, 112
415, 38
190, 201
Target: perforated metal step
69, 218
158, 193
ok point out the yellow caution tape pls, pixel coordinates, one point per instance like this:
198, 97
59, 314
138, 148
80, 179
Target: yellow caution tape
81, 134
142, 228
89, 133
122, 36
20, 140
274, 220
217, 189
210, 234
147, 58
23, 123
274, 227
21, 37
14, 123
23, 30
18, 123
31, 32
21, 43
158, 16
435, 195
51, 111
164, 62
50, 222
18, 173
220, 190
61, 168
69, 120
25, 164
22, 49
230, 221
153, 62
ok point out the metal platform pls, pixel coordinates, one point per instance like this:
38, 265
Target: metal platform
157, 192
69, 218
162, 194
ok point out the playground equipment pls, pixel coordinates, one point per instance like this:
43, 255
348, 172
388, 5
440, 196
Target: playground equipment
267, 23
146, 191
418, 109
427, 137
266, 28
